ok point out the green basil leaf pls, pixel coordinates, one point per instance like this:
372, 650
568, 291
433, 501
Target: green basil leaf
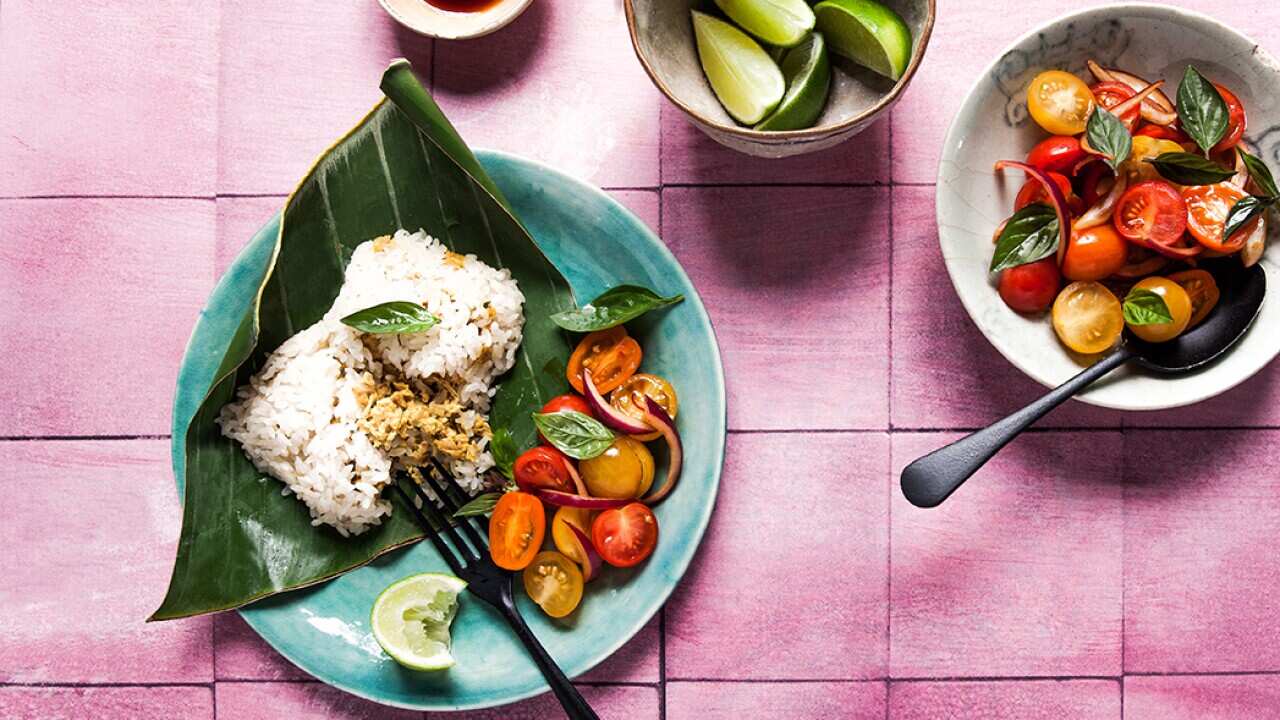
1245, 209
1109, 136
1144, 307
1188, 169
1201, 109
504, 450
1260, 174
613, 307
575, 434
480, 505
392, 318
1031, 234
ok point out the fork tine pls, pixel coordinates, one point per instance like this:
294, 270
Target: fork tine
466, 553
441, 546
470, 525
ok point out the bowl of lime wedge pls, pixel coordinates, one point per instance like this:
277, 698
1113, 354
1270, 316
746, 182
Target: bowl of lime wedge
775, 78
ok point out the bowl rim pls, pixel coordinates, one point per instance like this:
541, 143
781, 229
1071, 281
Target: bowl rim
812, 134
946, 156
516, 9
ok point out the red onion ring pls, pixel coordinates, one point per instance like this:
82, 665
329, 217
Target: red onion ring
1157, 108
659, 420
1101, 212
564, 499
606, 413
591, 567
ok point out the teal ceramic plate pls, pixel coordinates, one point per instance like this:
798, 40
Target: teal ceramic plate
324, 630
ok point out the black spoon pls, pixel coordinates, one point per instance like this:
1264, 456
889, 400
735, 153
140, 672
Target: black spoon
931, 479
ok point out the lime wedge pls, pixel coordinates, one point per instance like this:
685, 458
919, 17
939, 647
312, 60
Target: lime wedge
747, 83
777, 22
808, 75
411, 620
867, 33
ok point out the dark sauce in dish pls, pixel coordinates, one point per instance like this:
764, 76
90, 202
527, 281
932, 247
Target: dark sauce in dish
463, 6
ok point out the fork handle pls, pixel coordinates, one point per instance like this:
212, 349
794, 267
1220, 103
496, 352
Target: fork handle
575, 707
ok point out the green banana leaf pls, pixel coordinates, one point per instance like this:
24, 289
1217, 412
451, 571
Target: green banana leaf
403, 166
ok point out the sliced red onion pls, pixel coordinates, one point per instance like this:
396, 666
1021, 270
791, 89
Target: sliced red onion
1143, 268
577, 479
1144, 92
1177, 252
1102, 210
1054, 192
1241, 178
1255, 244
606, 413
1157, 108
591, 567
659, 420
564, 499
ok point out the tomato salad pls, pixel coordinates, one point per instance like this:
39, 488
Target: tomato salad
1121, 201
592, 469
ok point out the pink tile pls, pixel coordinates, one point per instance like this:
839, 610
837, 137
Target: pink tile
796, 280
561, 85
108, 290
770, 701
239, 219
96, 529
106, 703
945, 373
1200, 513
635, 662
295, 76
108, 98
644, 203
690, 157
611, 702
1254, 402
239, 654
1188, 697
1008, 700
1018, 573
298, 701
783, 588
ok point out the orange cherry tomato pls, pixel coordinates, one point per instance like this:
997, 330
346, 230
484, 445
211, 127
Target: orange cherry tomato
1236, 121
625, 536
1203, 291
516, 530
1207, 209
611, 355
1094, 253
1151, 211
544, 467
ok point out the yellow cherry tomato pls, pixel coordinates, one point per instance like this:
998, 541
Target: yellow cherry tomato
1087, 317
1176, 299
554, 582
623, 471
628, 399
1146, 148
1060, 102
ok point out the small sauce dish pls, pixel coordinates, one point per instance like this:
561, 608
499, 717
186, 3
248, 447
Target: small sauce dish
468, 19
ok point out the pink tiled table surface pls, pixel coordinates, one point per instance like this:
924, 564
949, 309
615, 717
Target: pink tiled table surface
1108, 565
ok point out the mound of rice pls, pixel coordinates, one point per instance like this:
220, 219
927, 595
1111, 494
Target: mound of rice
333, 412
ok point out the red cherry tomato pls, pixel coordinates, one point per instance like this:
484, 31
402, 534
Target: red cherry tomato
1031, 288
1161, 132
1152, 211
544, 467
1110, 94
1235, 120
568, 402
1033, 192
1057, 153
625, 536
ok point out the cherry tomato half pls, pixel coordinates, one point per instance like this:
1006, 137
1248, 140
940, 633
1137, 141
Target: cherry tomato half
1236, 120
1207, 209
1059, 102
1111, 93
1031, 288
1203, 291
1059, 153
1094, 253
516, 529
544, 467
554, 582
1033, 192
1179, 304
625, 536
1087, 317
1152, 211
629, 398
611, 355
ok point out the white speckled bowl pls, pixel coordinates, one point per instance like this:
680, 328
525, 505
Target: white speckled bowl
1149, 40
426, 19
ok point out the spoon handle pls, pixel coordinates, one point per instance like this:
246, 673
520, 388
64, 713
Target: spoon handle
931, 479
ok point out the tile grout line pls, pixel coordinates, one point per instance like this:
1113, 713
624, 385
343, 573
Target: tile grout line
888, 578
662, 612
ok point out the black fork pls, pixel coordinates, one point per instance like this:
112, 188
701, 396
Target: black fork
469, 559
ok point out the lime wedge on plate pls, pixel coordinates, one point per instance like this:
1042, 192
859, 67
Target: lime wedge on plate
411, 620
808, 75
746, 81
777, 22
867, 33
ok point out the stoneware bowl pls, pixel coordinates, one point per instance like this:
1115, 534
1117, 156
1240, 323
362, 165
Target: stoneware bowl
662, 35
426, 19
1154, 42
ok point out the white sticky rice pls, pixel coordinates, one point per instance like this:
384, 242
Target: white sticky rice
298, 418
